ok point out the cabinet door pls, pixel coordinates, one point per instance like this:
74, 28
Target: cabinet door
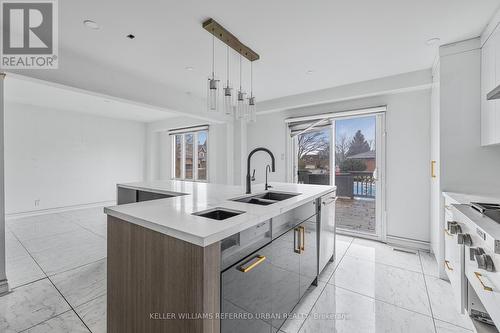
246, 290
309, 253
285, 275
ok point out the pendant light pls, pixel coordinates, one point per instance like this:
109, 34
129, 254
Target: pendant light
228, 91
213, 84
241, 105
252, 112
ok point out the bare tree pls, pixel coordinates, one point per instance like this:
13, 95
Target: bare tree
341, 149
311, 142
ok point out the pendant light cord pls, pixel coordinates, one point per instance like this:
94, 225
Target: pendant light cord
251, 78
240, 72
228, 66
213, 55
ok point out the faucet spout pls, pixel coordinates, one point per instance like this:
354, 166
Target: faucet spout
273, 167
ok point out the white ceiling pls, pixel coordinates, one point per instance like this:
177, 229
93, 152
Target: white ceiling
32, 92
341, 41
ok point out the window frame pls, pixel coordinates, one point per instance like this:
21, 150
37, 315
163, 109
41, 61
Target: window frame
183, 156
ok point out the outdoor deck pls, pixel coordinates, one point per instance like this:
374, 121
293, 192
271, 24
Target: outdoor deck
357, 214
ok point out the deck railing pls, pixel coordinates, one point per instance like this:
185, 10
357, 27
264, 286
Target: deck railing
359, 184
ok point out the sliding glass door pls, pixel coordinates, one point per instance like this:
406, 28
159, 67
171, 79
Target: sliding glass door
347, 152
313, 158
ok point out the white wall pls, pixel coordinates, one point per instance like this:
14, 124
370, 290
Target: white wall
159, 159
64, 158
408, 152
465, 166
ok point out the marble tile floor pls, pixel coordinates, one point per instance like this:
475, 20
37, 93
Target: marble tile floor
56, 266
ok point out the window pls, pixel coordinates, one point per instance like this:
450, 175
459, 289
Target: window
190, 153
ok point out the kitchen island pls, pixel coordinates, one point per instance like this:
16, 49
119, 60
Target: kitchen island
174, 248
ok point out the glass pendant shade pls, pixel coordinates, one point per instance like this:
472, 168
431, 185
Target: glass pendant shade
228, 100
212, 95
252, 109
241, 105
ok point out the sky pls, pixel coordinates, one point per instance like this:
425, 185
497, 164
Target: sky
348, 127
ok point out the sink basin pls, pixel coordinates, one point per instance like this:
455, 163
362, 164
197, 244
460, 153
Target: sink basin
218, 213
266, 198
255, 201
276, 196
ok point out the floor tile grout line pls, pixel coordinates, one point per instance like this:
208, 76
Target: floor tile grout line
28, 283
77, 267
427, 292
326, 284
60, 293
60, 314
89, 230
382, 301
385, 264
76, 313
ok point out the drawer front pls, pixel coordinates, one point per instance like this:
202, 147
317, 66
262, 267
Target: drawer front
486, 284
290, 219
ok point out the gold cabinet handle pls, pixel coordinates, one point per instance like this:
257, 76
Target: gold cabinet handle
254, 263
447, 264
485, 287
447, 232
302, 238
433, 169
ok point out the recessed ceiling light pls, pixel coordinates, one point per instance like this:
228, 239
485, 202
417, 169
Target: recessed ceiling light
130, 36
310, 72
91, 24
433, 41
189, 68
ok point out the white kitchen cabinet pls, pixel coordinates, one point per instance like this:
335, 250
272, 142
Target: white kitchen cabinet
490, 78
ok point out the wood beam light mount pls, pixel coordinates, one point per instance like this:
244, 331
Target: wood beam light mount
229, 39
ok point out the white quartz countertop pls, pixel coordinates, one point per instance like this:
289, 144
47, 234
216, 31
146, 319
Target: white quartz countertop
465, 198
173, 216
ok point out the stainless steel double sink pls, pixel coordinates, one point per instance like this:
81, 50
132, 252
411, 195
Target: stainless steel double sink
264, 199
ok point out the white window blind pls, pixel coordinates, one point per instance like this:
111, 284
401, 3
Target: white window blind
300, 125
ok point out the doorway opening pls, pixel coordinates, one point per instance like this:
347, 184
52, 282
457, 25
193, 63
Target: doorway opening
348, 152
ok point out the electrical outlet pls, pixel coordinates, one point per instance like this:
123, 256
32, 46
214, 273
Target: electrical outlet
37, 202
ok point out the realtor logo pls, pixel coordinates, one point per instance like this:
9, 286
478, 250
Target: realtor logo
29, 37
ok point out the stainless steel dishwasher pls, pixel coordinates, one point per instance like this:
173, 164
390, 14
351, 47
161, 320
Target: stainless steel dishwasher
326, 220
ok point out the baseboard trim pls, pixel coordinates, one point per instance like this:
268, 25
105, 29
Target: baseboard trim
4, 287
408, 243
58, 209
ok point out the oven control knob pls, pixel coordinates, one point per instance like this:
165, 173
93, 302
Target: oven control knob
485, 262
450, 224
465, 239
490, 266
473, 251
455, 229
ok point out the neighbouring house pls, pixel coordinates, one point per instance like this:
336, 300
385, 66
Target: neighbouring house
368, 158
